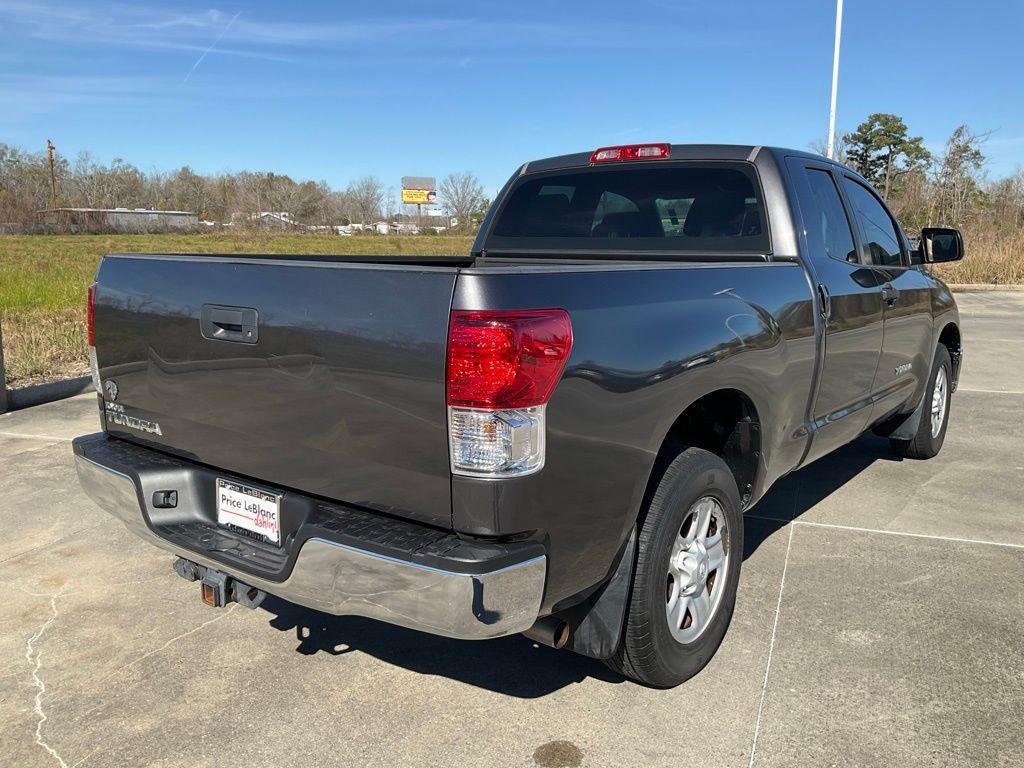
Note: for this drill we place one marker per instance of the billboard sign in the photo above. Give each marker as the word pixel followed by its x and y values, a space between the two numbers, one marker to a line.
pixel 419 190
pixel 420 196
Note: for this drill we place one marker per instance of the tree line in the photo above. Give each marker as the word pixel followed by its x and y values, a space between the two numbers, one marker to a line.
pixel 85 182
pixel 949 187
pixel 946 188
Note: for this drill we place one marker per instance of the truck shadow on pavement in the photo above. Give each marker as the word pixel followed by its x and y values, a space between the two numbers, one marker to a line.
pixel 516 666
pixel 794 494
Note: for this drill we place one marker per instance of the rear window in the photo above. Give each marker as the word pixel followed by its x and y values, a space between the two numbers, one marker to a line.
pixel 687 207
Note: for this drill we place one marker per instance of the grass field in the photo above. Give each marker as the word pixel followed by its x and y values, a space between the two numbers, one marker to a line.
pixel 43 280
pixel 991 258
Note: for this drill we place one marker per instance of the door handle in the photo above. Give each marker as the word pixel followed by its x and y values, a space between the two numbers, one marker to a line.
pixel 890 293
pixel 825 301
pixel 236 324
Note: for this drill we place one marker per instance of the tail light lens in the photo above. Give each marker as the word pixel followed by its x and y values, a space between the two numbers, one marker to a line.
pixel 506 359
pixel 501 369
pixel 90 315
pixel 90 323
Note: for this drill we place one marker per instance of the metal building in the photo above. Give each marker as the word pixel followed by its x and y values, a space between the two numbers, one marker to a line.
pixel 116 220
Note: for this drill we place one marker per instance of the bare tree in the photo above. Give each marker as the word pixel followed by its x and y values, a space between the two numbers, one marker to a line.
pixel 24 185
pixel 94 185
pixel 1006 203
pixel 189 191
pixel 366 199
pixel 841 147
pixel 958 176
pixel 462 195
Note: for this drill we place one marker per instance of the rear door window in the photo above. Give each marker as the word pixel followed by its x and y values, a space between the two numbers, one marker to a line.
pixel 827 225
pixel 682 207
pixel 881 241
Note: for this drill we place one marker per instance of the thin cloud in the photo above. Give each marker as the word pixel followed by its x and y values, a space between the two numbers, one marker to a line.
pixel 156 28
pixel 29 94
pixel 214 45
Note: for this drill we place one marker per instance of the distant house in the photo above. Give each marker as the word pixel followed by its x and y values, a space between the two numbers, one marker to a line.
pixel 276 220
pixel 116 220
pixel 266 220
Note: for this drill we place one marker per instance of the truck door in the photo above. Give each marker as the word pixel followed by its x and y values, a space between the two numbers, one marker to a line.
pixel 849 301
pixel 907 349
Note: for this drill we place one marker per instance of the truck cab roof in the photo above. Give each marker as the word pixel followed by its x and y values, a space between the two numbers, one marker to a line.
pixel 677 152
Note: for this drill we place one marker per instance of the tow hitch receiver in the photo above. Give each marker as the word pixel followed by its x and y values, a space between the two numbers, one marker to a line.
pixel 217 588
pixel 214 587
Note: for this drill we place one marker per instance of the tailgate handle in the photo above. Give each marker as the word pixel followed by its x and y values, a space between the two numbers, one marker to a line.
pixel 236 324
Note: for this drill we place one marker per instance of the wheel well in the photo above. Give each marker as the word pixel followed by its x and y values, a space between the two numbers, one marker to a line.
pixel 723 422
pixel 950 339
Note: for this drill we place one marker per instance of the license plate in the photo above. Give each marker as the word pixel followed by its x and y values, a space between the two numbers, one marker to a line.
pixel 251 509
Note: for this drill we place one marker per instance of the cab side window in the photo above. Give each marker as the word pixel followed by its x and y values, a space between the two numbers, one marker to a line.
pixel 828 223
pixel 882 242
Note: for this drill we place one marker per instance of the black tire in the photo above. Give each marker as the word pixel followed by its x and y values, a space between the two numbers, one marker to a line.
pixel 648 652
pixel 926 444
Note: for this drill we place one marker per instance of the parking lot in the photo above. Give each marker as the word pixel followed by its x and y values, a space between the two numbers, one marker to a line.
pixel 878 623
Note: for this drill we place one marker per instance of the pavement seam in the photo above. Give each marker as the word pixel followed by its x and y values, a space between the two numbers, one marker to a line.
pixel 22 436
pixel 992 391
pixel 997 339
pixel 771 650
pixel 37 663
pixel 889 533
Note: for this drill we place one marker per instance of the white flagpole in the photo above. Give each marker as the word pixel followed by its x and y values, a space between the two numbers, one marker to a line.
pixel 835 83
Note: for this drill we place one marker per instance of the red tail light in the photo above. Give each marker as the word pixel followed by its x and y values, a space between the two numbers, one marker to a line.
pixel 631 152
pixel 90 315
pixel 506 359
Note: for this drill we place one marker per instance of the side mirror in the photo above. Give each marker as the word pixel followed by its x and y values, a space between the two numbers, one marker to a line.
pixel 940 244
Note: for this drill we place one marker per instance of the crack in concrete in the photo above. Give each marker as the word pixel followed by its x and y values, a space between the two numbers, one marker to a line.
pixel 35 659
pixel 176 638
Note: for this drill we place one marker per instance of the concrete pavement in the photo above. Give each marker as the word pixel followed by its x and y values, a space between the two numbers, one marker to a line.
pixel 878 623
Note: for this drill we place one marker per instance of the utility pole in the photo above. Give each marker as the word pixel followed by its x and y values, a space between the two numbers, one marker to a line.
pixel 831 152
pixel 53 176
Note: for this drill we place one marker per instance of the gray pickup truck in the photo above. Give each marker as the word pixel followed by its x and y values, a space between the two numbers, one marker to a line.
pixel 556 435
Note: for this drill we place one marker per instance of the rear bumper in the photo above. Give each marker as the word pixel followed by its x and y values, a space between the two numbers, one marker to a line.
pixel 408 574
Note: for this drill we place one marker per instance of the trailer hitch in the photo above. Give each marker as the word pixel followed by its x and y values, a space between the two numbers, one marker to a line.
pixel 218 588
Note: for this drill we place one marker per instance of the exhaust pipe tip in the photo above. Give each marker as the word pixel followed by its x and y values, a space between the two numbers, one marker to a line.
pixel 549 631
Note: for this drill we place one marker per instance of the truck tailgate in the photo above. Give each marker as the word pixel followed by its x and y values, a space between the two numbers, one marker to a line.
pixel 338 391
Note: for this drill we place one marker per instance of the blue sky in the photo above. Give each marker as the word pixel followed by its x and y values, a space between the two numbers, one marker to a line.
pixel 335 91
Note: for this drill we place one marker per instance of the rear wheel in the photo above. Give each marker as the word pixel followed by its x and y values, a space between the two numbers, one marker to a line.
pixel 931 432
pixel 688 565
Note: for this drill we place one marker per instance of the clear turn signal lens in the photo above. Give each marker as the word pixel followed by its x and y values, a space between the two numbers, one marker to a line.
pixel 496 443
pixel 94 368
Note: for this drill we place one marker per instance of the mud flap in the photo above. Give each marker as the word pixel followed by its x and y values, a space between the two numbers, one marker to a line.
pixel 908 428
pixel 598 633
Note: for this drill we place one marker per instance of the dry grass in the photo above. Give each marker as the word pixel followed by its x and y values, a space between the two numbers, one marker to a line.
pixel 43 279
pixel 43 344
pixel 991 258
